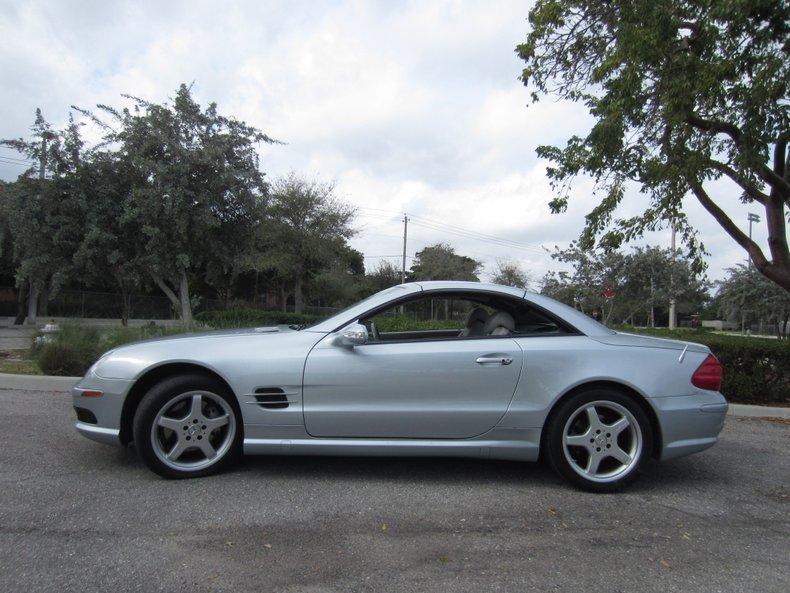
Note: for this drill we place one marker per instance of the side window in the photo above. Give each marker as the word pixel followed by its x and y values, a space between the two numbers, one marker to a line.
pixel 426 318
pixel 457 316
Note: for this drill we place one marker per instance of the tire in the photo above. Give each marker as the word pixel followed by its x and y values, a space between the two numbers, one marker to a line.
pixel 181 420
pixel 602 456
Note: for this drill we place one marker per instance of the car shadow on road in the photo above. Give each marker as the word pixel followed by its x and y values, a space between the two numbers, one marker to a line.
pixel 421 469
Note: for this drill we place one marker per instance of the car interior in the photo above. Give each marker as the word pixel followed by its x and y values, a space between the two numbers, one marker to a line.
pixel 460 315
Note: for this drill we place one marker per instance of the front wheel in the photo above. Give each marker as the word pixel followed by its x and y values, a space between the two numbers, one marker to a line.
pixel 598 440
pixel 187 426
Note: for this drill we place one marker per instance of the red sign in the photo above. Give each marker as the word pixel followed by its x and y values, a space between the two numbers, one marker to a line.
pixel 609 292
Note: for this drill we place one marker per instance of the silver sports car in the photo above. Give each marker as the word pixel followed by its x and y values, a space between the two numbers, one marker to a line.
pixel 424 368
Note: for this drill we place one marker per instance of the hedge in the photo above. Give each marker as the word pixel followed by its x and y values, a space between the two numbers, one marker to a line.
pixel 233 318
pixel 756 370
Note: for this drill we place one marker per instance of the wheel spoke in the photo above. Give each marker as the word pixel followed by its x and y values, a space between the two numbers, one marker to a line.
pixel 580 440
pixel 180 446
pixel 207 448
pixel 592 416
pixel 619 455
pixel 214 423
pixel 593 463
pixel 618 426
pixel 171 423
pixel 196 409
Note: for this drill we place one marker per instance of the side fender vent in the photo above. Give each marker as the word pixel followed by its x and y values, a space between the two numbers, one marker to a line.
pixel 271 398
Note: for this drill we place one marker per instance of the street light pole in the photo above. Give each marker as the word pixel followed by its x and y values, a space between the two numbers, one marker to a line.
pixel 751 218
pixel 403 266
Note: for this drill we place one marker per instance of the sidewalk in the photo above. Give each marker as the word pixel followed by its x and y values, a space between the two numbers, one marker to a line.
pixel 37 382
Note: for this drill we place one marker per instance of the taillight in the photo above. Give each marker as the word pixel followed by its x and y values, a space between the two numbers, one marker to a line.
pixel 708 375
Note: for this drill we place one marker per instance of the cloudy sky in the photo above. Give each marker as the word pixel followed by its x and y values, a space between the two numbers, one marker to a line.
pixel 407 106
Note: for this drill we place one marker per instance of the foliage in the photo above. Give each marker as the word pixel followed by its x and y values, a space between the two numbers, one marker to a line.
pixel 510 274
pixel 385 275
pixel 305 232
pixel 75 347
pixel 746 296
pixel 682 93
pixel 756 370
pixel 41 208
pixel 193 188
pixel 440 262
pixel 642 279
pixel 398 323
pixel 233 318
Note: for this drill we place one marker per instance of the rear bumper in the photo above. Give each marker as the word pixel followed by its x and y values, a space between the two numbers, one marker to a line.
pixel 689 423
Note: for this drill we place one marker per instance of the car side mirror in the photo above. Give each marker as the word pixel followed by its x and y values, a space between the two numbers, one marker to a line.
pixel 355 334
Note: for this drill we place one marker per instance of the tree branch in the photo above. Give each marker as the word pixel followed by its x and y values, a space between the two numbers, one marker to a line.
pixel 751 190
pixel 735 134
pixel 728 225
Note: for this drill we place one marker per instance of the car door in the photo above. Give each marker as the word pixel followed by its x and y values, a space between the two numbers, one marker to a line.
pixel 443 389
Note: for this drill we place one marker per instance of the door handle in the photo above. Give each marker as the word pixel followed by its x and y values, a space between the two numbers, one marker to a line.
pixel 503 360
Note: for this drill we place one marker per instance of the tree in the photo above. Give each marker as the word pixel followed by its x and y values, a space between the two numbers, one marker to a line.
pixel 510 274
pixel 745 295
pixel 42 214
pixel 385 275
pixel 682 93
pixel 193 187
pixel 440 262
pixel 108 250
pixel 305 232
pixel 641 280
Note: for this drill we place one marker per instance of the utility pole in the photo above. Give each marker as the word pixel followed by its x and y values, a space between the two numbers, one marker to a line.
pixel 405 231
pixel 672 313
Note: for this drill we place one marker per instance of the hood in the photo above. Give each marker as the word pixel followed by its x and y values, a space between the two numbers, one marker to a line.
pixel 211 349
pixel 640 341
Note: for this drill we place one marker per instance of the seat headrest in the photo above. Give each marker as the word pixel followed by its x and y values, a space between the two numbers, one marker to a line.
pixel 500 320
pixel 476 315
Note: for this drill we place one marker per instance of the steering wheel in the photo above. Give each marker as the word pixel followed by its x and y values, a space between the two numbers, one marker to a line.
pixel 374 331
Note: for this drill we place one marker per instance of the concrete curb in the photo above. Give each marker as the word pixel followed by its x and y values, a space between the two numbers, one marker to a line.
pixel 749 411
pixel 37 382
pixel 49 383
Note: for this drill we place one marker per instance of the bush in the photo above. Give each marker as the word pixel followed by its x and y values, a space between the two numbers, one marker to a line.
pixel 756 370
pixel 233 318
pixel 408 323
pixel 71 351
pixel 74 348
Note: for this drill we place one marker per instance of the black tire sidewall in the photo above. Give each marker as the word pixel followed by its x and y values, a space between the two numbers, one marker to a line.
pixel 159 395
pixel 553 438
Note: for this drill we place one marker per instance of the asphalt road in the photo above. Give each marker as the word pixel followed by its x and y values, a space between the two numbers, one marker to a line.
pixel 80 516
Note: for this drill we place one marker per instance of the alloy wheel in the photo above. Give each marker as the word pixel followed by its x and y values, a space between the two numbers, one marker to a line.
pixel 602 441
pixel 193 431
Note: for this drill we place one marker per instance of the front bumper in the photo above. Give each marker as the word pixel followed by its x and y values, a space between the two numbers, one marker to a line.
pixel 102 422
pixel 689 423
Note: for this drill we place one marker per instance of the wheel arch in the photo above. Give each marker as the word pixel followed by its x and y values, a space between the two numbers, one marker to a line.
pixel 151 377
pixel 622 388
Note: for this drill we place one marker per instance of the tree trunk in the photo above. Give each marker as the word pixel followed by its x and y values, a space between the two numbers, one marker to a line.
pixel 43 301
pixel 159 281
pixel 125 303
pixel 298 296
pixel 21 301
pixel 183 294
pixel 32 305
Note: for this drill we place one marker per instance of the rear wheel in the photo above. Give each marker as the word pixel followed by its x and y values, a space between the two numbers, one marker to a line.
pixel 187 426
pixel 598 440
